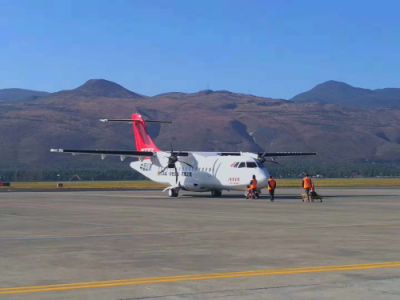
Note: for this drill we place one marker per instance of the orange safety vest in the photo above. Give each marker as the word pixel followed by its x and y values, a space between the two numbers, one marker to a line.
pixel 253 184
pixel 307 183
pixel 271 184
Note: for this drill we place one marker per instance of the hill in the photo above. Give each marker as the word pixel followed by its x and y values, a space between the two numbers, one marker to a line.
pixel 203 121
pixel 15 95
pixel 334 92
pixel 98 88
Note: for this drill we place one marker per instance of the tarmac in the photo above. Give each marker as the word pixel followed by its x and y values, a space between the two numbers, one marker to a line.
pixel 120 245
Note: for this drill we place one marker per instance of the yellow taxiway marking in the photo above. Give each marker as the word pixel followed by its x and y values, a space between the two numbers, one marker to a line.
pixel 134 281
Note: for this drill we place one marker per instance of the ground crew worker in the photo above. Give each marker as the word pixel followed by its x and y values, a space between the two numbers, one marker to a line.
pixel 271 188
pixel 253 185
pixel 249 193
pixel 307 185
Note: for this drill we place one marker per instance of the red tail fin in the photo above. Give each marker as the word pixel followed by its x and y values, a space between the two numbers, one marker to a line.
pixel 142 138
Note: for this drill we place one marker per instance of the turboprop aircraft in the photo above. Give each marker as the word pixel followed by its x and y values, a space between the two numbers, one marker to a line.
pixel 190 170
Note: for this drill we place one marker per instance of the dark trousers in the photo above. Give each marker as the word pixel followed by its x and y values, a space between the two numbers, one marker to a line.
pixel 272 194
pixel 307 193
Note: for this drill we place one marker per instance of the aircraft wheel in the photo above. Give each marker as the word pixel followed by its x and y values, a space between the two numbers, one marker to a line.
pixel 173 193
pixel 216 193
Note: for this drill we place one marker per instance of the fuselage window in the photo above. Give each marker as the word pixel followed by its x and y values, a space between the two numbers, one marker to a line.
pixel 242 165
pixel 251 164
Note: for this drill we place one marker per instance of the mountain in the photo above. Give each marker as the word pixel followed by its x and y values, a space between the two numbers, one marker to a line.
pixel 15 95
pixel 334 92
pixel 203 121
pixel 99 88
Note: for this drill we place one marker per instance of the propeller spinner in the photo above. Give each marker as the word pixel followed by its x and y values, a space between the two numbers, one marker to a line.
pixel 172 160
pixel 262 159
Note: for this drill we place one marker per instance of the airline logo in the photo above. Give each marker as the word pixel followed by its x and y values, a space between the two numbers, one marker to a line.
pixel 234 180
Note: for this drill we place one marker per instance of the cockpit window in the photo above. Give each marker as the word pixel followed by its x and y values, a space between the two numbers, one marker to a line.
pixel 251 165
pixel 236 164
pixel 242 165
pixel 259 164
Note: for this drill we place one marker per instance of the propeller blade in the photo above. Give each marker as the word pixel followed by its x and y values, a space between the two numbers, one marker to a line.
pixel 162 170
pixel 183 162
pixel 176 175
pixel 261 158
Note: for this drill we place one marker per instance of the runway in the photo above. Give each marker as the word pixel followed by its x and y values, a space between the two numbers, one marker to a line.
pixel 122 245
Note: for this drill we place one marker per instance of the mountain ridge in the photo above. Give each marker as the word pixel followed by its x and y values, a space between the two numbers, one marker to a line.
pixel 100 88
pixel 202 121
pixel 341 93
pixel 18 94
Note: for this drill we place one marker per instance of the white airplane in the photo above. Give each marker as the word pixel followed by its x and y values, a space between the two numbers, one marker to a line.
pixel 190 170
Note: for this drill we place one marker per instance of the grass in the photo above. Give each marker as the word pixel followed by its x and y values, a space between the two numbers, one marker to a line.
pixel 137 184
pixel 343 182
pixel 146 184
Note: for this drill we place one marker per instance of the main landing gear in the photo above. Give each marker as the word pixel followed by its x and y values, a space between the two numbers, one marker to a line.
pixel 216 193
pixel 173 192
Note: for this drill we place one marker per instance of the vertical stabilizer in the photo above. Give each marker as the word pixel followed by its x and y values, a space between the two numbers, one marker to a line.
pixel 142 138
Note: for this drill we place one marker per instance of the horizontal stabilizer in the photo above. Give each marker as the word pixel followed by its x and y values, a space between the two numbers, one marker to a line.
pixel 131 121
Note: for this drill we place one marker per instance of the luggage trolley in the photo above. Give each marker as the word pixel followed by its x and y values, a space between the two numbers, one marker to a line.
pixel 319 197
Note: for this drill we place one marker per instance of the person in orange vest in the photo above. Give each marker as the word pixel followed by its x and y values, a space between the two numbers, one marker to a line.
pixel 253 185
pixel 271 188
pixel 249 193
pixel 307 185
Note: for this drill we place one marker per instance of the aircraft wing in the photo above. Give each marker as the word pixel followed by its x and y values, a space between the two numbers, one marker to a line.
pixel 105 153
pixel 264 154
pixel 277 154
pixel 128 153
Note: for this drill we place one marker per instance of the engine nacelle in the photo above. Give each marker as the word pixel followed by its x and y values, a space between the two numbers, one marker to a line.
pixel 191 184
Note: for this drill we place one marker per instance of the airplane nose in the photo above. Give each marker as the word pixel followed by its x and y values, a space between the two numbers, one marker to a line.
pixel 262 177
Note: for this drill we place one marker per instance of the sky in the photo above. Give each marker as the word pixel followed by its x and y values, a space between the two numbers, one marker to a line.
pixel 267 48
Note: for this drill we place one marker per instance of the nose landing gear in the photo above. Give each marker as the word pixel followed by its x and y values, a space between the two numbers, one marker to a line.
pixel 173 192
